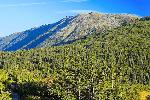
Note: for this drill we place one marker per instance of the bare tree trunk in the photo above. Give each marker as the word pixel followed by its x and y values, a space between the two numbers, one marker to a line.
pixel 79 90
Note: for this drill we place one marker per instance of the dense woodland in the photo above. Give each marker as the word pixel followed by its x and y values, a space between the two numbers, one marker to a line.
pixel 111 65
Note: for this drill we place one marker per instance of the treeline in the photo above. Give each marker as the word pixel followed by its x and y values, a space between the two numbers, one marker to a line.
pixel 112 65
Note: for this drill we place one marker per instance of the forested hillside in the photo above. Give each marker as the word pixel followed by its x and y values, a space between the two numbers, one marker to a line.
pixel 110 65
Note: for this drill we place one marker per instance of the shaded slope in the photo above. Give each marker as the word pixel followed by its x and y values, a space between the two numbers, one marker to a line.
pixel 7 40
pixel 26 37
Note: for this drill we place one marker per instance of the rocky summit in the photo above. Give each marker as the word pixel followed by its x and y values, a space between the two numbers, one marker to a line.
pixel 67 30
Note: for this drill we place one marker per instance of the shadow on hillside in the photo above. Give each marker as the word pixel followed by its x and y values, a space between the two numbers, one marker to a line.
pixel 148 97
pixel 32 91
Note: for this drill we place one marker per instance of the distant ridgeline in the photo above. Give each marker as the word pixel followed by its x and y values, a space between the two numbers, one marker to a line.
pixel 145 18
pixel 65 31
pixel 106 65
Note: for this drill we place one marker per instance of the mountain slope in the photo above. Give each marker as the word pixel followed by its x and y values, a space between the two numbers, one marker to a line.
pixel 23 38
pixel 85 24
pixel 7 40
pixel 64 31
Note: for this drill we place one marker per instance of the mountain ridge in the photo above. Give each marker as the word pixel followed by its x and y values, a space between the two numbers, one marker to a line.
pixel 67 29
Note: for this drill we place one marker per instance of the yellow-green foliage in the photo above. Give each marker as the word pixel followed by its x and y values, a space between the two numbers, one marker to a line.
pixel 112 65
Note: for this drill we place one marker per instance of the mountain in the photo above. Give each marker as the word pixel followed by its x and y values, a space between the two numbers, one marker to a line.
pixel 107 65
pixel 65 31
pixel 18 40
pixel 1 36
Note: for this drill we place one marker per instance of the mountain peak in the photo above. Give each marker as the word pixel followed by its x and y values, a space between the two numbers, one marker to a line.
pixel 65 31
pixel 100 13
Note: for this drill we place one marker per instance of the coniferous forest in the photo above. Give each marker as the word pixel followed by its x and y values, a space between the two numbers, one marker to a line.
pixel 112 64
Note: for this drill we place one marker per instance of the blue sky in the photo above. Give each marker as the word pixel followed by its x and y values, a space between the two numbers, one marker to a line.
pixel 19 15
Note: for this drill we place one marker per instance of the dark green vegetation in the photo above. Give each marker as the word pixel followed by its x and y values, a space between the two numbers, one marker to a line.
pixel 145 18
pixel 111 65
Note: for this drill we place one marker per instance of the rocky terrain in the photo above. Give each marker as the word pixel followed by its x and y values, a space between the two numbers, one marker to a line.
pixel 65 31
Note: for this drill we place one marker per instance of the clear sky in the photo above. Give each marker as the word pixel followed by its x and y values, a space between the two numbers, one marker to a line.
pixel 19 15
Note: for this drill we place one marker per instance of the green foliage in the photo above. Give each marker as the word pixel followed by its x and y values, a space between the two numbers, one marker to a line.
pixel 4 94
pixel 112 65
